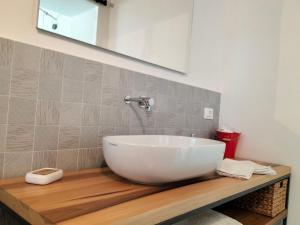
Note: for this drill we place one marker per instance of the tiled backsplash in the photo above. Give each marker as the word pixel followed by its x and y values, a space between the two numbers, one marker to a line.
pixel 55 108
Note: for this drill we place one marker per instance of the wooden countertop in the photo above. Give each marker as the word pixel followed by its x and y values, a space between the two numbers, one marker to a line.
pixel 98 197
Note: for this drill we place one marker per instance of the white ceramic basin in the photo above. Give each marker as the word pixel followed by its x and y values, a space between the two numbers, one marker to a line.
pixel 155 159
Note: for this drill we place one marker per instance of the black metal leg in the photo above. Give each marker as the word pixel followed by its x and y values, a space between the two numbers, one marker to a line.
pixel 8 217
pixel 223 201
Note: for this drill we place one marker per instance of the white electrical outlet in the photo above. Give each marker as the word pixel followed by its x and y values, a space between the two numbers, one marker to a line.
pixel 208 113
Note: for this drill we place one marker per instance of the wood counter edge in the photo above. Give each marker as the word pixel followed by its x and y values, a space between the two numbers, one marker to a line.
pixel 148 217
pixel 24 210
pixel 173 209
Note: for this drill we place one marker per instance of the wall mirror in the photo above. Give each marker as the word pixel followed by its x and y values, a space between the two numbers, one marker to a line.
pixel 154 31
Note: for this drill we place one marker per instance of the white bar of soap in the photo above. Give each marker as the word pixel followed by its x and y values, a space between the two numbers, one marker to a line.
pixel 44 176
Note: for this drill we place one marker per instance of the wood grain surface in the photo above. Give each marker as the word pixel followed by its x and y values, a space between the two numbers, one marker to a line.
pixel 99 197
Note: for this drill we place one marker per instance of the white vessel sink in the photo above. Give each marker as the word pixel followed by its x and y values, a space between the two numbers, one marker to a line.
pixel 156 159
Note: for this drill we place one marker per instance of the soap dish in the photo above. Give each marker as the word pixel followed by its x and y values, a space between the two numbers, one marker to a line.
pixel 44 176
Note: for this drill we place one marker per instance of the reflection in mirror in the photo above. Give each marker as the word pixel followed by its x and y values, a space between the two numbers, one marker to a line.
pixel 155 31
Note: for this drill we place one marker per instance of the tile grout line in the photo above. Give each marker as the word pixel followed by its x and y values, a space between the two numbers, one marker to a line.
pixel 60 104
pixel 67 149
pixel 100 123
pixel 36 109
pixel 8 106
pixel 81 113
pixel 44 99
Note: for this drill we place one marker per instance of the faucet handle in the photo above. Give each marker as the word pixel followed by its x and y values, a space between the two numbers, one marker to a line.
pixel 151 101
pixel 146 103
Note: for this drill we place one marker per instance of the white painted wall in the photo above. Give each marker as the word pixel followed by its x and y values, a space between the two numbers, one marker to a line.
pixel 261 83
pixel 18 22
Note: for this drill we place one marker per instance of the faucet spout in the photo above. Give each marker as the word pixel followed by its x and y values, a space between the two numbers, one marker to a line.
pixel 143 102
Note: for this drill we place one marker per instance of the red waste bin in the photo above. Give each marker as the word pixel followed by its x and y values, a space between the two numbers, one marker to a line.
pixel 231 141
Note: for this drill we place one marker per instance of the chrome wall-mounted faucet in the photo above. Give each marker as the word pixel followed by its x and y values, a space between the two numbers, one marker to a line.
pixel 143 102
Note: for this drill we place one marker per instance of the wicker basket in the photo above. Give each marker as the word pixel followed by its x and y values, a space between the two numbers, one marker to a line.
pixel 269 201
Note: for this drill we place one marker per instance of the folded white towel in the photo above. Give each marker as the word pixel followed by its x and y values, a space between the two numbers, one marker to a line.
pixel 242 169
pixel 209 217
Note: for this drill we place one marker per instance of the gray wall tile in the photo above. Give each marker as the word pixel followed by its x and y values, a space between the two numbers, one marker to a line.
pixel 24 83
pixel 22 160
pixel 112 97
pixel 203 133
pixel 74 68
pixel 70 114
pixel 93 81
pixel 124 119
pixel 139 83
pixel 104 131
pixel 88 137
pixel 21 111
pixel 197 109
pixel 92 70
pixel 152 86
pixel 81 101
pixel 92 92
pixel 199 95
pixel 171 88
pixel 3 109
pixel 1 164
pixel 93 76
pixel 50 87
pixel 90 115
pixel 125 81
pixel 179 121
pixel 3 131
pixel 179 106
pixel 148 120
pixel 121 131
pixel 72 90
pixel 26 57
pixel 174 131
pixel 6 52
pixel 150 131
pixel 90 158
pixel 111 77
pixel 67 160
pixel 52 63
pixel 46 138
pixel 136 117
pixel 48 113
pixel 69 138
pixel 171 120
pixel 189 94
pixel 109 115
pixel 163 87
pixel 161 120
pixel 4 80
pixel 19 138
pixel 161 103
pixel 44 159
pixel 137 130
